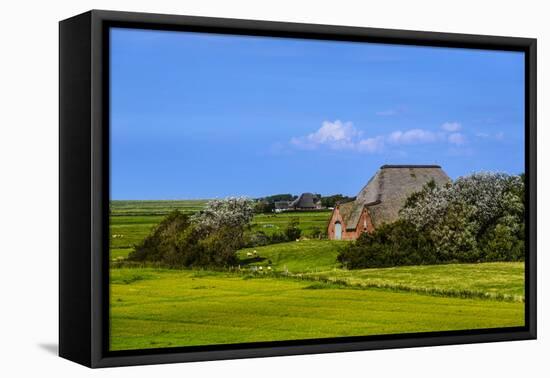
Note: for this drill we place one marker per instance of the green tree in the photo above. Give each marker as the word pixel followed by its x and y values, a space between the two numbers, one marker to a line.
pixel 293 231
pixel 210 238
pixel 162 239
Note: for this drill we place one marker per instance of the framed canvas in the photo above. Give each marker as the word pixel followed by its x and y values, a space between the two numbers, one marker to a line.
pixel 235 188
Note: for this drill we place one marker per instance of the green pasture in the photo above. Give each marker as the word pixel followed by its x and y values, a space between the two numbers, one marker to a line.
pixel 316 260
pixel 499 280
pixel 309 220
pixel 305 294
pixel 154 207
pixel 295 257
pixel 155 308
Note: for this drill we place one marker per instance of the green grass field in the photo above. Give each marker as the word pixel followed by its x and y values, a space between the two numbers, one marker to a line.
pixel 296 257
pixel 309 220
pixel 498 280
pixel 316 260
pixel 304 295
pixel 162 308
pixel 149 208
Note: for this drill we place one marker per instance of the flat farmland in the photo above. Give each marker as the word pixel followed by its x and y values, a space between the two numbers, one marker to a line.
pixel 155 207
pixel 309 221
pixel 156 308
pixel 294 290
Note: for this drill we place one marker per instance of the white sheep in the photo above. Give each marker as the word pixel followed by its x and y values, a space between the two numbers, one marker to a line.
pixel 248 254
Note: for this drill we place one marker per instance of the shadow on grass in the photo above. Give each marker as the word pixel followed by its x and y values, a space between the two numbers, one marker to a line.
pixel 251 260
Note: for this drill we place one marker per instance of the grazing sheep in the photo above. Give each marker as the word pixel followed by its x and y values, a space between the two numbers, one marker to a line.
pixel 261 268
pixel 248 254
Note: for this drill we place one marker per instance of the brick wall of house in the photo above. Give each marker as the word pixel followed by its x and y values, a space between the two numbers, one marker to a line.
pixel 364 225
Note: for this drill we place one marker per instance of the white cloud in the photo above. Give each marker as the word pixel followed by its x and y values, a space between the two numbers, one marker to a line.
pixel 371 145
pixel 338 135
pixel 451 126
pixel 457 139
pixel 413 136
pixel 335 135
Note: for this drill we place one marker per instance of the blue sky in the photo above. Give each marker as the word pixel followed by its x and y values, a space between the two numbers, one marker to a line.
pixel 203 116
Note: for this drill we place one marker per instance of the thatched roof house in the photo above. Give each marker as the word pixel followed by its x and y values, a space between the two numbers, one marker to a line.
pixel 306 201
pixel 381 199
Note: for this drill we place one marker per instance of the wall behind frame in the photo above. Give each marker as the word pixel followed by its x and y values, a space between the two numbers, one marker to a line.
pixel 29 155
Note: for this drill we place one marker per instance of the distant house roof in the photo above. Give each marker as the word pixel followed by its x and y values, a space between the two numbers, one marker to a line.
pixel 305 201
pixel 386 192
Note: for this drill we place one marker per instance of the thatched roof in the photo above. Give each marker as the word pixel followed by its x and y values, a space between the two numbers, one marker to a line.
pixel 386 192
pixel 350 212
pixel 305 201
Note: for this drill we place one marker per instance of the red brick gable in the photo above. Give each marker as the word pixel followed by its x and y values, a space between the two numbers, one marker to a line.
pixel 363 225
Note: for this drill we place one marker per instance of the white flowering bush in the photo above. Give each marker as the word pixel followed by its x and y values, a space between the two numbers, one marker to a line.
pixel 464 218
pixel 231 212
pixel 209 238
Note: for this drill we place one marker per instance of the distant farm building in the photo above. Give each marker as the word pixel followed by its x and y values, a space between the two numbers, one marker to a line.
pixel 281 206
pixel 306 201
pixel 381 199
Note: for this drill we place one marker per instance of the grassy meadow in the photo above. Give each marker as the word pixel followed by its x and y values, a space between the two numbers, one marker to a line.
pixel 153 308
pixel 300 292
pixel 309 220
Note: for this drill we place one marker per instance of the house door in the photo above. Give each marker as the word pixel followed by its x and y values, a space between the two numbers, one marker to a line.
pixel 338 231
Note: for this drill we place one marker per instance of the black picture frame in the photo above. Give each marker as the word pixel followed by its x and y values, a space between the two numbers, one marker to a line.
pixel 84 187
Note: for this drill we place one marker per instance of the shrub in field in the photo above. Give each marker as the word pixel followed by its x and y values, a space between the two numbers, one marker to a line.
pixel 504 241
pixel 232 212
pixel 278 237
pixel 161 241
pixel 210 238
pixel 293 230
pixel 476 218
pixel 393 244
pixel 454 235
pixel 264 207
pixel 260 239
pixel 217 249
pixel 256 239
pixel 317 233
